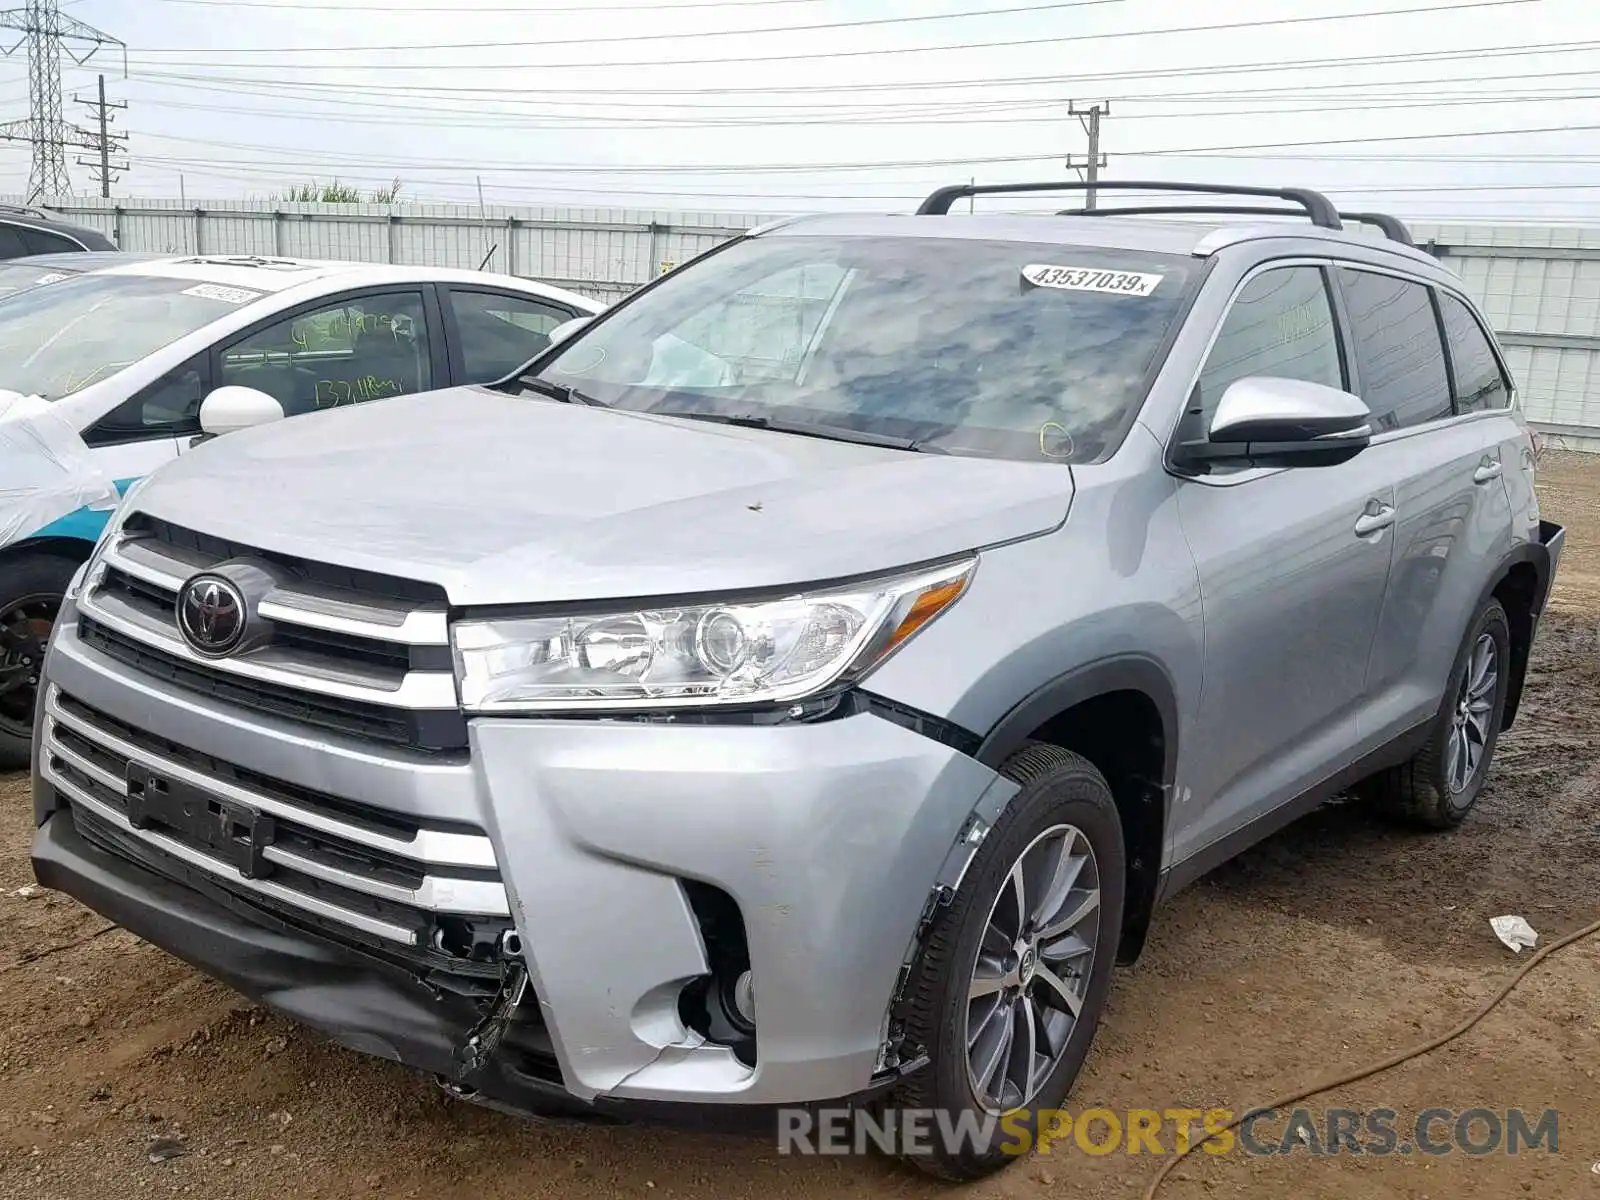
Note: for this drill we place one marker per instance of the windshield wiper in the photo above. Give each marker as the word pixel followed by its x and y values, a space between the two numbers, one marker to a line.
pixel 836 433
pixel 558 391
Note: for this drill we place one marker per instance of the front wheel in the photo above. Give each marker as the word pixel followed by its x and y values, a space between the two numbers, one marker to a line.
pixel 31 590
pixel 1014 973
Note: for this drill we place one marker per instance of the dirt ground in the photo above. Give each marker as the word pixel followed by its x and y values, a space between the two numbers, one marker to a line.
pixel 1328 946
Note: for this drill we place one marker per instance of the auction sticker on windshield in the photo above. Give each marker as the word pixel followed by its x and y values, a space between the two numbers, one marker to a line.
pixel 215 291
pixel 1091 279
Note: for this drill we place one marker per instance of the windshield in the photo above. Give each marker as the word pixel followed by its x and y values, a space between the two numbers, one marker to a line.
pixel 59 339
pixel 1017 350
pixel 15 275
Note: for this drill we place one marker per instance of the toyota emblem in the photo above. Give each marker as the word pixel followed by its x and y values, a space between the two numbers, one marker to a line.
pixel 211 615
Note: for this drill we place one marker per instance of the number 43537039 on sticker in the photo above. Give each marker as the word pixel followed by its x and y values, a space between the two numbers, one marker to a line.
pixel 1091 279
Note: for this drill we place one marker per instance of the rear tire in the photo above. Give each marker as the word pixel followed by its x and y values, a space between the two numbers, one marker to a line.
pixel 990 999
pixel 31 589
pixel 1438 787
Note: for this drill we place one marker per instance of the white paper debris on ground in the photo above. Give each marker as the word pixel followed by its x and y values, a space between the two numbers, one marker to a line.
pixel 1515 932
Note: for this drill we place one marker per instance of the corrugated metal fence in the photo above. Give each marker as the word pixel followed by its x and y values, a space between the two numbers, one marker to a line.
pixel 600 252
pixel 1539 285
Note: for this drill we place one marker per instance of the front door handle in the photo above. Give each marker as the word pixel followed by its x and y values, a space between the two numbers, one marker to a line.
pixel 1488 469
pixel 1379 516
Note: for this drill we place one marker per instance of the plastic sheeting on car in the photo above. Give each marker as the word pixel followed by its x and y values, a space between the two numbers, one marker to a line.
pixel 46 470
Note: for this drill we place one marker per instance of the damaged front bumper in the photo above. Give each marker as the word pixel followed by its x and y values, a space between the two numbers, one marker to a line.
pixel 644 866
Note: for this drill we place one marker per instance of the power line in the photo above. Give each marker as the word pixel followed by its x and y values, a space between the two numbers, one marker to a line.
pixel 390 10
pixel 47 33
pixel 920 18
pixel 1357 90
pixel 1407 58
pixel 875 52
pixel 299 154
pixel 936 116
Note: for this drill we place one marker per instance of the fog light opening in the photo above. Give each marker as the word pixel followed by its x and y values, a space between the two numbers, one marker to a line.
pixel 720 1006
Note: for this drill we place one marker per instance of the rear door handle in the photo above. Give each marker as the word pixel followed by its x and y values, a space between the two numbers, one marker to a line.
pixel 1378 516
pixel 1488 469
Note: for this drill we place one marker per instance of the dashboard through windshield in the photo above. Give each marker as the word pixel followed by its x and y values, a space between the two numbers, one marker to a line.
pixel 1019 350
pixel 60 338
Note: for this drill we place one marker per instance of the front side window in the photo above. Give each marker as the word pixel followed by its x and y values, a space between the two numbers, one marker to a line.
pixel 1480 383
pixel 1281 324
pixel 500 333
pixel 59 339
pixel 1005 349
pixel 1397 346
pixel 347 352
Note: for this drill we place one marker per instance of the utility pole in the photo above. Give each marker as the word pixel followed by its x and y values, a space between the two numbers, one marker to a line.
pixel 47 33
pixel 1089 117
pixel 108 142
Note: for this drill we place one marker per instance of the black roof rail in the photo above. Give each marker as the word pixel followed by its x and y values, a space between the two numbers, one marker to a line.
pixel 1393 228
pixel 25 209
pixel 1317 206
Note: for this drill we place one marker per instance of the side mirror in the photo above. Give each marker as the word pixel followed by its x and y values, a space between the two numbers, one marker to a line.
pixel 567 328
pixel 1272 422
pixel 233 407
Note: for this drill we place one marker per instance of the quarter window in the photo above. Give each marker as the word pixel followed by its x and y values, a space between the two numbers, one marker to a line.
pixel 1480 383
pixel 1281 325
pixel 1398 350
pixel 367 348
pixel 169 407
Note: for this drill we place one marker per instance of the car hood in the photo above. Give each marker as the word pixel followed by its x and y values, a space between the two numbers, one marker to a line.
pixel 502 499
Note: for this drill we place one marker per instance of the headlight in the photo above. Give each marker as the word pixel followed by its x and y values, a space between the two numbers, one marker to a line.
pixel 769 651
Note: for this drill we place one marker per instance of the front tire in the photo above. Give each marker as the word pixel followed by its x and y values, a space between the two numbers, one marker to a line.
pixel 31 590
pixel 1014 972
pixel 1438 787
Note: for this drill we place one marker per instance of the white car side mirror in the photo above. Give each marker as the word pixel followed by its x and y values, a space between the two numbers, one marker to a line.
pixel 566 329
pixel 233 407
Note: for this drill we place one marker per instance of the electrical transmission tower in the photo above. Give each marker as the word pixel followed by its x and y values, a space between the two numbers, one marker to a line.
pixel 108 143
pixel 47 33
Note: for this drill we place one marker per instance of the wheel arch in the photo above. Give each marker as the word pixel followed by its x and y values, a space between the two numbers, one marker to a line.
pixel 73 549
pixel 1521 582
pixel 1121 713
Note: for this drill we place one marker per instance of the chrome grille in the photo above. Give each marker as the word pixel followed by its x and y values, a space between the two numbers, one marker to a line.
pixel 348 651
pixel 368 871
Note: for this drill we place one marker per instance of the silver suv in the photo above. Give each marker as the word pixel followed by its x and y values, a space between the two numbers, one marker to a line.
pixel 802 683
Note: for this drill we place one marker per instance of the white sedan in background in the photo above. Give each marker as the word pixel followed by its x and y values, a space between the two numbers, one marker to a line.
pixel 107 374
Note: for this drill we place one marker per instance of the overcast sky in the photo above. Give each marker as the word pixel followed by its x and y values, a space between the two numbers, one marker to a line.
pixel 648 104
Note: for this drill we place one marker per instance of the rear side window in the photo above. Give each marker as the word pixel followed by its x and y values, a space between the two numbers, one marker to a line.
pixel 1480 383
pixel 36 241
pixel 11 242
pixel 500 333
pixel 1397 349
pixel 1281 324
